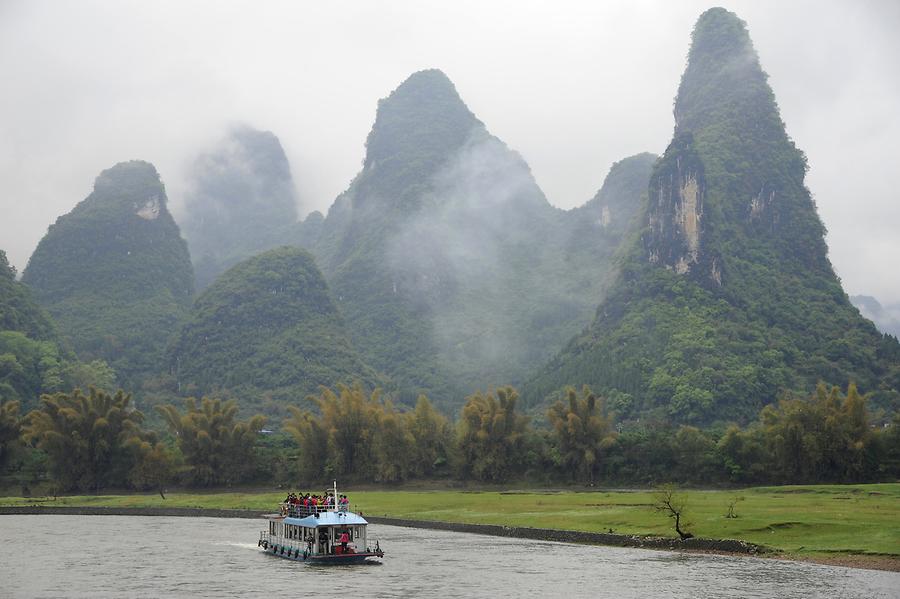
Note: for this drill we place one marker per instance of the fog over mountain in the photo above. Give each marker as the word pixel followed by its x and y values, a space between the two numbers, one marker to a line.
pixel 572 86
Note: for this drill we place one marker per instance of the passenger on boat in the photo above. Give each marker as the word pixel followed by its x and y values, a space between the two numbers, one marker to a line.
pixel 345 538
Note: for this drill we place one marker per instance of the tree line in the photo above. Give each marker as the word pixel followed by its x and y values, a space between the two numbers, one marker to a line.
pixel 90 441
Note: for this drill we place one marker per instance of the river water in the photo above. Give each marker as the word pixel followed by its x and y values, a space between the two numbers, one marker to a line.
pixel 134 556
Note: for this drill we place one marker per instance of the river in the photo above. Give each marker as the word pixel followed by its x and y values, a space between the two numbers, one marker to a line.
pixel 135 556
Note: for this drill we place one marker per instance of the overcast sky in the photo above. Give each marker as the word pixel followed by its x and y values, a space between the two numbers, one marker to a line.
pixel 572 86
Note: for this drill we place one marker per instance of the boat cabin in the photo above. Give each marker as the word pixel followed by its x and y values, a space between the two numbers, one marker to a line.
pixel 315 534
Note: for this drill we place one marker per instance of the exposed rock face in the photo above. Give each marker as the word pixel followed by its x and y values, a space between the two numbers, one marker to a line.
pixel 675 211
pixel 150 209
pixel 115 273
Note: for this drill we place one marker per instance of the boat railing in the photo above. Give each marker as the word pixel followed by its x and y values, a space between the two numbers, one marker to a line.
pixel 295 510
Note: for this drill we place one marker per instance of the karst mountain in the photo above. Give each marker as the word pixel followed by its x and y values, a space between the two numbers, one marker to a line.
pixel 726 298
pixel 451 267
pixel 115 274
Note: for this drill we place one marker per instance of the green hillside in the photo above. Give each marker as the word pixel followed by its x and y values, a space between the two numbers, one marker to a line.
pixel 31 360
pixel 266 332
pixel 727 296
pixel 115 274
pixel 18 309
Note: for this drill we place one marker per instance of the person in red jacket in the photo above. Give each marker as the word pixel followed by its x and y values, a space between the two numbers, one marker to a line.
pixel 345 538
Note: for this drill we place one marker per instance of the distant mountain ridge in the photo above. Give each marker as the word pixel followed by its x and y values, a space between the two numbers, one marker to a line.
pixel 727 297
pixel 886 318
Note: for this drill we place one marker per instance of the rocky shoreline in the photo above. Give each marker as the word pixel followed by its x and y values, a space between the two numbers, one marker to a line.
pixel 697 545
pixel 576 536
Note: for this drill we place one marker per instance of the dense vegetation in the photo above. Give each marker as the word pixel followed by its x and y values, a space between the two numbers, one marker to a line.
pixel 240 201
pixel 91 441
pixel 727 297
pixel 268 333
pixel 359 434
pixel 96 441
pixel 33 359
pixel 214 444
pixel 18 309
pixel 115 274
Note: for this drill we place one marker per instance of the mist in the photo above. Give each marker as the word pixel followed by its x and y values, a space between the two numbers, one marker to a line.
pixel 572 87
pixel 471 261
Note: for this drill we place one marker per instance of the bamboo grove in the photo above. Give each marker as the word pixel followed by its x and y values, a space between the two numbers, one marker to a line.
pixel 91 441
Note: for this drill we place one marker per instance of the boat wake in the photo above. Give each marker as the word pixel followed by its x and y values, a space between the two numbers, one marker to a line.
pixel 241 545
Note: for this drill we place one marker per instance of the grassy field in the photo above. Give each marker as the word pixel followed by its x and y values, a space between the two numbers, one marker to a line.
pixel 798 520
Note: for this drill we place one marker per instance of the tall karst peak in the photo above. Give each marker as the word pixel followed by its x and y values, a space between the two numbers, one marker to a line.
pixel 240 200
pixel 727 297
pixel 731 171
pixel 722 64
pixel 424 117
pixel 133 186
pixel 452 269
pixel 115 273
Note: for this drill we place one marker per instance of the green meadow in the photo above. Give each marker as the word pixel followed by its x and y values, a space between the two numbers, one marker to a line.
pixel 798 520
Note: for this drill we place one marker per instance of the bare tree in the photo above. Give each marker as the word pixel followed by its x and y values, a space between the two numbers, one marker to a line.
pixel 731 504
pixel 672 503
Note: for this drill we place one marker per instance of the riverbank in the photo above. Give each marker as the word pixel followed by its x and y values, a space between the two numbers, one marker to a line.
pixel 540 534
pixel 855 525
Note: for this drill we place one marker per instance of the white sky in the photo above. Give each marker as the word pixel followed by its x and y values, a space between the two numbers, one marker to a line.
pixel 572 86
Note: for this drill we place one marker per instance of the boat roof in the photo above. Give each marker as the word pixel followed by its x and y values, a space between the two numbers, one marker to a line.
pixel 328 519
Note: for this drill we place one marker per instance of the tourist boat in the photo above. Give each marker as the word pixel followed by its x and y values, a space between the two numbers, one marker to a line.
pixel 313 534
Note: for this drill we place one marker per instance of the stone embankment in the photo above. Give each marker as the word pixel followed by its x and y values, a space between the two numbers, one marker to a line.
pixel 540 534
pixel 575 536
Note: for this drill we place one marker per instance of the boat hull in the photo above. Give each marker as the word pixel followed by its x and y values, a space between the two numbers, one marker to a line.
pixel 336 560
